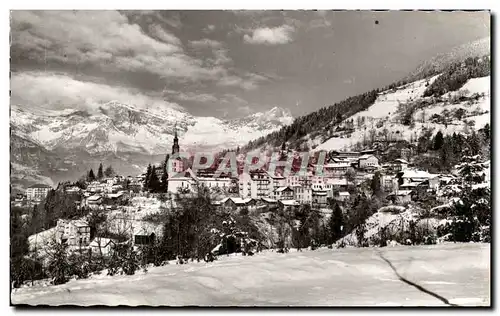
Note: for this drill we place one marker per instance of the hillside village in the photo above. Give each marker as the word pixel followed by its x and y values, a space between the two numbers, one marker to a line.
pixel 377 187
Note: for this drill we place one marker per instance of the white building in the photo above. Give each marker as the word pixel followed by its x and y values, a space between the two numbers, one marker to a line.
pixel 283 193
pixel 73 232
pixel 255 184
pixel 37 192
pixel 367 161
pixel 183 182
pixel 303 194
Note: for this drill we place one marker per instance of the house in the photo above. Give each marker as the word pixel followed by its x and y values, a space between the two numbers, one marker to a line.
pixel 319 199
pixel 288 205
pixel 367 162
pixel 283 193
pixel 400 196
pixel 409 177
pixel 342 196
pixel 268 201
pixel 302 194
pixel 388 183
pixel 254 184
pixel 37 192
pixel 145 233
pixel 72 190
pixel 94 201
pixel 73 232
pixel 237 203
pixel 336 169
pixel 104 246
pixel 400 165
pixel 116 197
pixel 276 181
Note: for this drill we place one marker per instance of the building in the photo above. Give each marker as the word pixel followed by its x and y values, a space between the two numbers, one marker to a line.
pixel 368 162
pixel 388 182
pixel 336 169
pixel 342 196
pixel 219 182
pixel 236 203
pixel 94 201
pixel 283 193
pixel 184 182
pixel 319 199
pixel 255 184
pixel 400 196
pixel 145 233
pixel 73 232
pixel 288 205
pixel 400 165
pixel 37 192
pixel 303 194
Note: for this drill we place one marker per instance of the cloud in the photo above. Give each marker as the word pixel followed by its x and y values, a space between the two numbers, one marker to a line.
pixel 58 91
pixel 164 36
pixel 209 28
pixel 105 39
pixel 270 36
pixel 191 96
pixel 205 43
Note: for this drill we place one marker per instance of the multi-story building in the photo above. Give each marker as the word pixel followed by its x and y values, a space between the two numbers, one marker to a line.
pixel 303 194
pixel 255 184
pixel 367 162
pixel 73 232
pixel 37 192
pixel 283 193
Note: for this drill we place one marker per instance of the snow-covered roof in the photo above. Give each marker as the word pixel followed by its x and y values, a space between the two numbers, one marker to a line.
pixel 281 189
pixel 416 174
pixel 337 165
pixel 268 200
pixel 94 198
pixel 334 181
pixel 80 223
pixel 115 195
pixel 289 202
pixel 40 186
pixel 401 161
pixel 410 185
pixel 402 192
pixel 366 157
pixel 319 192
pixel 344 193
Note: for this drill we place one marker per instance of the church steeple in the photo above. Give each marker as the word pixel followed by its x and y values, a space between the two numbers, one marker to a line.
pixel 175 146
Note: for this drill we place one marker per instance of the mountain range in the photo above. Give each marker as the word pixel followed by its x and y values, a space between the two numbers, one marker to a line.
pixel 59 145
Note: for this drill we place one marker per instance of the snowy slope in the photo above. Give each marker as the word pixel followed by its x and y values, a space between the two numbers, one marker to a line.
pixel 325 277
pixel 383 114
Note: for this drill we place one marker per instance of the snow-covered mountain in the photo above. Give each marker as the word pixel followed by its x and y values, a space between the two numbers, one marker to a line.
pixel 66 140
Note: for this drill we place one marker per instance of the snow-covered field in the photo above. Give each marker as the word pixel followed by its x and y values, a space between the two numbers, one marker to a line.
pixel 325 277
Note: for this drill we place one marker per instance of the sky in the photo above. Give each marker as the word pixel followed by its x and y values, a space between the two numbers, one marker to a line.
pixel 225 64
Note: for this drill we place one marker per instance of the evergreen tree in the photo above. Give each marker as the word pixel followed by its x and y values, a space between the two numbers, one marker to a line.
pixel 148 176
pixel 164 176
pixel 109 171
pixel 100 174
pixel 438 141
pixel 375 184
pixel 154 182
pixel 91 176
pixel 335 224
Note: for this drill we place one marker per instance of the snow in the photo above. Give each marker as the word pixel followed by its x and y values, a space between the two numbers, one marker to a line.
pixel 385 109
pixel 325 277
